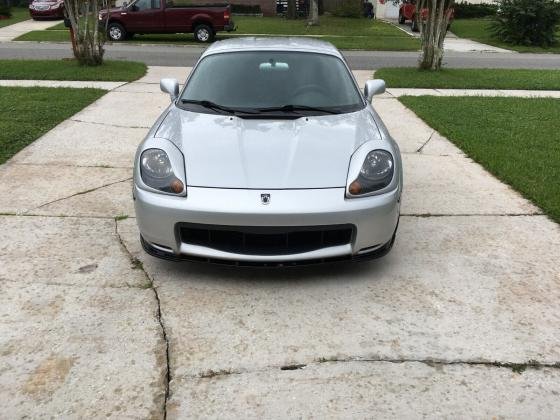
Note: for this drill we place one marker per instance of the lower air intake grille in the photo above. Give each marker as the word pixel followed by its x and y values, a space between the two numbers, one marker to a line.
pixel 265 240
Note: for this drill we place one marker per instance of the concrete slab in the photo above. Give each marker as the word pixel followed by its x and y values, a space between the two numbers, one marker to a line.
pixel 84 144
pixel 362 76
pixel 125 109
pixel 364 390
pixel 66 251
pixel 112 201
pixel 409 131
pixel 156 73
pixel 26 187
pixel 447 185
pixel 80 352
pixel 453 289
pixel 62 83
pixel 531 93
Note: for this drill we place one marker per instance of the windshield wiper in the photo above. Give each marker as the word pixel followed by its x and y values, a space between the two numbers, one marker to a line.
pixel 215 106
pixel 295 108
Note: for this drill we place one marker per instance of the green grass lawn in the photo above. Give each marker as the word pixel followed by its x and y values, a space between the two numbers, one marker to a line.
pixel 403 77
pixel 342 32
pixel 516 139
pixel 70 70
pixel 478 30
pixel 28 113
pixel 19 14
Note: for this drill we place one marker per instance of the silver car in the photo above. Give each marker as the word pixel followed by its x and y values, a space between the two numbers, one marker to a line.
pixel 269 155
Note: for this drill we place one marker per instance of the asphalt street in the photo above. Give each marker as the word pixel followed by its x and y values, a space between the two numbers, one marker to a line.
pixel 178 55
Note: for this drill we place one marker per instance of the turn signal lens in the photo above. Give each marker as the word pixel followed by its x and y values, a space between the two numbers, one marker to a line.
pixel 176 186
pixel 355 188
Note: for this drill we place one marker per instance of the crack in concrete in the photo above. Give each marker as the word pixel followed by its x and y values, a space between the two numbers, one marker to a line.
pixel 437 363
pixel 78 193
pixel 106 124
pixel 138 264
pixel 419 150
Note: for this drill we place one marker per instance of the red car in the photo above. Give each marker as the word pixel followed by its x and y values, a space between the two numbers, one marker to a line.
pixel 46 9
pixel 407 11
pixel 167 16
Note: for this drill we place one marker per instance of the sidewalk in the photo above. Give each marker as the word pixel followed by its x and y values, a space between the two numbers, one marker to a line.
pixel 91 326
pixel 151 84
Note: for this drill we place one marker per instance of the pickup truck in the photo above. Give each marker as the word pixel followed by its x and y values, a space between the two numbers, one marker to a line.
pixel 407 11
pixel 165 17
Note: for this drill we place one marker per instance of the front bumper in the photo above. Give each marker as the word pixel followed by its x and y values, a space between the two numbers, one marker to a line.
pixel 159 216
pixel 49 13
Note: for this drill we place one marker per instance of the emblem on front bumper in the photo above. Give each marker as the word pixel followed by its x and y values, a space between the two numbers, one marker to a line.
pixel 265 199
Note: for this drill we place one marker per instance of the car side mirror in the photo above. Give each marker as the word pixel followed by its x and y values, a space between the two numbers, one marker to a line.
pixel 374 87
pixel 124 5
pixel 170 86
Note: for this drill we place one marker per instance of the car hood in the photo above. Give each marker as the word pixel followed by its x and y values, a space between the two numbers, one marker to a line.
pixel 229 152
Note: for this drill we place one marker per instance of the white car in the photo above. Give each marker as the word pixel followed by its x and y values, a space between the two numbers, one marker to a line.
pixel 270 155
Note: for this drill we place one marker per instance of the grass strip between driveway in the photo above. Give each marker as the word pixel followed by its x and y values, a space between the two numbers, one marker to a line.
pixel 125 71
pixel 479 30
pixel 28 113
pixel 516 139
pixel 402 77
pixel 344 33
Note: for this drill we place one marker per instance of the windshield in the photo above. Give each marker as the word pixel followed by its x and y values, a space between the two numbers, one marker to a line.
pixel 272 81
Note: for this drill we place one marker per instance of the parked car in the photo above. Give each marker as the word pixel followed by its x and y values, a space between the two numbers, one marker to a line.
pixel 407 11
pixel 170 16
pixel 270 155
pixel 46 9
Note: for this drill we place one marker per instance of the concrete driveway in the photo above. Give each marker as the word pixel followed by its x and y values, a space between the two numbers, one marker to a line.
pixel 453 42
pixel 10 32
pixel 460 320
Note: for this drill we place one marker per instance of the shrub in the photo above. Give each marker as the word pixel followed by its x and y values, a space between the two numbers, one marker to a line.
pixel 469 11
pixel 5 11
pixel 527 22
pixel 349 8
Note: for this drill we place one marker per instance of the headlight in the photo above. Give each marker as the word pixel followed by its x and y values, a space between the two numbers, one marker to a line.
pixel 376 173
pixel 157 172
pixel 100 16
